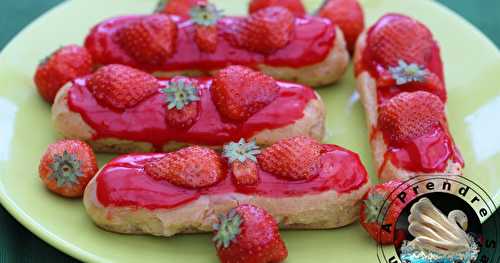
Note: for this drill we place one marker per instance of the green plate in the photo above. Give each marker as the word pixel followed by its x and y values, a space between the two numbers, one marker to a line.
pixel 472 65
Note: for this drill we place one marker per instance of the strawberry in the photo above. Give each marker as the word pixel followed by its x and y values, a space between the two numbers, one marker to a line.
pixel 412 77
pixel 410 115
pixel 264 31
pixel 379 207
pixel 239 92
pixel 67 166
pixel 121 87
pixel 63 65
pixel 348 15
pixel 150 40
pixel 190 167
pixel 294 6
pixel 182 106
pixel 241 157
pixel 248 234
pixel 296 158
pixel 205 17
pixel 177 7
pixel 398 37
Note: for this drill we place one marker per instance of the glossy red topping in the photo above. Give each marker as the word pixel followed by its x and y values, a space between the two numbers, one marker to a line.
pixel 239 92
pixel 124 182
pixel 294 6
pixel 121 87
pixel 311 42
pixel 146 120
pixel 190 167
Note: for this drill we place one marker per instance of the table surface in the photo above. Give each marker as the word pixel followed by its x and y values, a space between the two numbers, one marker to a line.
pixel 17 244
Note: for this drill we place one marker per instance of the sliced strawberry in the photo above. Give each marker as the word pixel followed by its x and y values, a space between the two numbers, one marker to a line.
pixel 410 115
pixel 264 31
pixel 150 40
pixel 205 17
pixel 239 92
pixel 248 234
pixel 348 15
pixel 381 206
pixel 121 87
pixel 397 37
pixel 177 7
pixel 190 167
pixel 296 158
pixel 67 167
pixel 294 6
pixel 62 66
pixel 242 159
pixel 182 106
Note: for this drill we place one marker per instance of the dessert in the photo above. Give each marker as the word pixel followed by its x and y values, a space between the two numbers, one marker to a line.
pixel 308 50
pixel 400 79
pixel 121 109
pixel 184 191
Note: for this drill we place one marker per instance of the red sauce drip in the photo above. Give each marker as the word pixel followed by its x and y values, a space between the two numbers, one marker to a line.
pixel 429 153
pixel 146 121
pixel 312 41
pixel 123 182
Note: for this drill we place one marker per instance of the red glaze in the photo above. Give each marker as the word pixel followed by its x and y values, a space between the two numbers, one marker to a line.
pixel 123 182
pixel 146 121
pixel 429 153
pixel 312 41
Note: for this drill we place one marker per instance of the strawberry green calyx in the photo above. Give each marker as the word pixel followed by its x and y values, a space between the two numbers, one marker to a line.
pixel 241 151
pixel 160 6
pixel 205 14
pixel 376 208
pixel 405 73
pixel 227 229
pixel 179 94
pixel 66 169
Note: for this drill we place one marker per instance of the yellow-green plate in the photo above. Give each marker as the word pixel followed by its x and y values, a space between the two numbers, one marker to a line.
pixel 472 72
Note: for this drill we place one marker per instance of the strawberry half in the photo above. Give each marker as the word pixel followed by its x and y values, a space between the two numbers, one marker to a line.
pixel 67 166
pixel 205 17
pixel 150 40
pixel 410 115
pixel 182 106
pixel 177 7
pixel 296 158
pixel 190 167
pixel 64 65
pixel 380 207
pixel 239 92
pixel 121 87
pixel 264 31
pixel 397 37
pixel 248 234
pixel 242 159
pixel 294 6
pixel 348 15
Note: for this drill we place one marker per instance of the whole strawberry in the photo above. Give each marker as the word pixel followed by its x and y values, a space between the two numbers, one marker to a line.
pixel 348 15
pixel 177 7
pixel 205 17
pixel 67 166
pixel 379 207
pixel 121 87
pixel 150 40
pixel 182 106
pixel 248 234
pixel 64 65
pixel 264 31
pixel 410 115
pixel 239 92
pixel 241 157
pixel 294 6
pixel 397 37
pixel 190 167
pixel 296 158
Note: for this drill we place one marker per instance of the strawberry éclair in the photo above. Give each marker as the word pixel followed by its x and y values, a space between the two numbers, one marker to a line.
pixel 401 82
